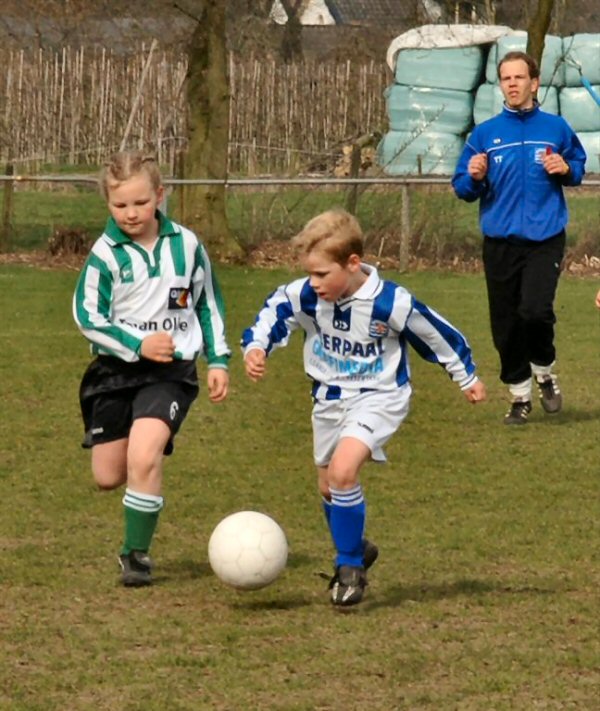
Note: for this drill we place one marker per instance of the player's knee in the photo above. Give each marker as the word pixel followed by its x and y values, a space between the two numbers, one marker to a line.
pixel 342 476
pixel 107 480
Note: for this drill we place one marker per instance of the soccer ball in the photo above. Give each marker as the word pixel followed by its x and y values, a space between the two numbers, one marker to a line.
pixel 247 550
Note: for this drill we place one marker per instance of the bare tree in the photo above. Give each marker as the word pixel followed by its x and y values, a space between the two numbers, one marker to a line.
pixel 291 44
pixel 207 91
pixel 538 27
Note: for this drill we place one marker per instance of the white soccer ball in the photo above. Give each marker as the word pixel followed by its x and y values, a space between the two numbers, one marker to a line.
pixel 247 550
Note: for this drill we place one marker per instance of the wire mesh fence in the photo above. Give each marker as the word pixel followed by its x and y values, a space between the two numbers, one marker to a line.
pixel 404 219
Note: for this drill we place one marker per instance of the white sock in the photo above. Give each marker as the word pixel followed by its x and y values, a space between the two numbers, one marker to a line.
pixel 541 372
pixel 520 391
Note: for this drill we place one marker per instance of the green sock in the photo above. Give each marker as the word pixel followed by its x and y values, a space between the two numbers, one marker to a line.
pixel 141 516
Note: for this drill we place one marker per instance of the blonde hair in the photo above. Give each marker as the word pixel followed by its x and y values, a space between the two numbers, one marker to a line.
pixel 124 165
pixel 335 232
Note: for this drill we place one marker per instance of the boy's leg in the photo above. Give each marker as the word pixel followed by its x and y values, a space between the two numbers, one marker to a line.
pixel 348 509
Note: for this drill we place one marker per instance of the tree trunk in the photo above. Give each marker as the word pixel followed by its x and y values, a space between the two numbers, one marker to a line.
pixel 207 89
pixel 291 44
pixel 537 29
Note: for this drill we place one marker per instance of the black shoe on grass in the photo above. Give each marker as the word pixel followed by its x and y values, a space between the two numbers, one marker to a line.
pixel 370 553
pixel 550 396
pixel 518 413
pixel 348 585
pixel 136 569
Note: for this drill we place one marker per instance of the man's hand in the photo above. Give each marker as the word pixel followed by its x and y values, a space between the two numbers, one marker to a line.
pixel 158 347
pixel 476 393
pixel 478 166
pixel 255 362
pixel 217 381
pixel 555 164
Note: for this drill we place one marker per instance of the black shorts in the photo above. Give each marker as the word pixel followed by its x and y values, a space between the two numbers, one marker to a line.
pixel 109 413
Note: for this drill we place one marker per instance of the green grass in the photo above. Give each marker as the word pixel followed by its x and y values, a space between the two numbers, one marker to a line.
pixel 485 595
pixel 442 226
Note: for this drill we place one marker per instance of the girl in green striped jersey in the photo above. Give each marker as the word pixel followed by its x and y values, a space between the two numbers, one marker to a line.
pixel 149 303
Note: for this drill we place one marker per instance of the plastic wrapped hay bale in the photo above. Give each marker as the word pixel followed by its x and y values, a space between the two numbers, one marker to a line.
pixel 582 52
pixel 489 101
pixel 591 144
pixel 427 153
pixel 424 108
pixel 552 70
pixel 580 109
pixel 446 68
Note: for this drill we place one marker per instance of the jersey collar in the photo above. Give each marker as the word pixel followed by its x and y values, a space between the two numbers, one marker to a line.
pixel 522 113
pixel 115 234
pixel 369 288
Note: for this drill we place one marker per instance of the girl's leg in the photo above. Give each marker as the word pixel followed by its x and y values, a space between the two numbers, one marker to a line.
pixel 109 464
pixel 143 501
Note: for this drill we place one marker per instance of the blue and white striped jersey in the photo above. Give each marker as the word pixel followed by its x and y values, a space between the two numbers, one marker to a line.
pixel 359 343
pixel 126 292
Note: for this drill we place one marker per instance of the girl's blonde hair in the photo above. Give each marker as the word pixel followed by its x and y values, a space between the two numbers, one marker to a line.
pixel 124 165
pixel 335 232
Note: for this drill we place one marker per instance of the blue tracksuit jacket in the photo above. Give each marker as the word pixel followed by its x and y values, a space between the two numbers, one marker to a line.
pixel 517 197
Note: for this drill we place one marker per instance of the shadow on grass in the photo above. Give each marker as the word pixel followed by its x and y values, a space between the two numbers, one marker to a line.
pixel 186 569
pixel 397 595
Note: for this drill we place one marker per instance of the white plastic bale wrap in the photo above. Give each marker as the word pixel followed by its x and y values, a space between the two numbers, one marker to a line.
pixel 591 144
pixel 458 68
pixel 489 101
pixel 580 109
pixel 552 69
pixel 427 153
pixel 582 56
pixel 439 110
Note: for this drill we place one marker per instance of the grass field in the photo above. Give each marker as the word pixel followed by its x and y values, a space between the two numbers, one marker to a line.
pixel 485 596
pixel 442 226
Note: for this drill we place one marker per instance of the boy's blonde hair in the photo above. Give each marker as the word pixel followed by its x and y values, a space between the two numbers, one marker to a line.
pixel 335 232
pixel 124 165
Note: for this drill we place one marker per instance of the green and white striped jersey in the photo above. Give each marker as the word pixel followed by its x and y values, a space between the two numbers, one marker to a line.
pixel 126 292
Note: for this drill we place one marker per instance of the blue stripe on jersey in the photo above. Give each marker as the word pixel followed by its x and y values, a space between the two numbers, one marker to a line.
pixel 308 300
pixel 384 302
pixel 383 305
pixel 333 392
pixel 452 337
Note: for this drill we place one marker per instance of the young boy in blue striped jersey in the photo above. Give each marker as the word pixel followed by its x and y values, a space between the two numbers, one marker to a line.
pixel 149 303
pixel 357 327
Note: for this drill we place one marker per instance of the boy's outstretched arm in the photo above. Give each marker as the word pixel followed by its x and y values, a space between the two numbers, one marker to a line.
pixel 476 393
pixel 255 362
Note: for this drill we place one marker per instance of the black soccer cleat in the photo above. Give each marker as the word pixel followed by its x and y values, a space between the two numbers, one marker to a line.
pixel 550 396
pixel 348 585
pixel 518 413
pixel 370 553
pixel 136 569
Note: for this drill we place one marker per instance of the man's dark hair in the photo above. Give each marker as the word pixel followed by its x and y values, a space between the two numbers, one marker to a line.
pixel 534 70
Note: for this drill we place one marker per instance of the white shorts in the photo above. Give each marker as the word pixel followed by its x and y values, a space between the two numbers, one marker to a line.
pixel 371 417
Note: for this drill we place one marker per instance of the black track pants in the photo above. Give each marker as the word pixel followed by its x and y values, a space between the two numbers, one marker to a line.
pixel 521 277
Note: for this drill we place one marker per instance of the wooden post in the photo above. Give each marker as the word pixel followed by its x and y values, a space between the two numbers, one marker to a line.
pixel 368 139
pixel 352 197
pixel 405 236
pixel 7 203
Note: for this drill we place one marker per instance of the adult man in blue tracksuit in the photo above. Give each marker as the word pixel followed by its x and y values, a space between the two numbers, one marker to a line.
pixel 516 164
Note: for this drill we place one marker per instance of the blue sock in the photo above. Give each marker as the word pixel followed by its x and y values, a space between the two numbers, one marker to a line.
pixel 347 523
pixel 327 505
